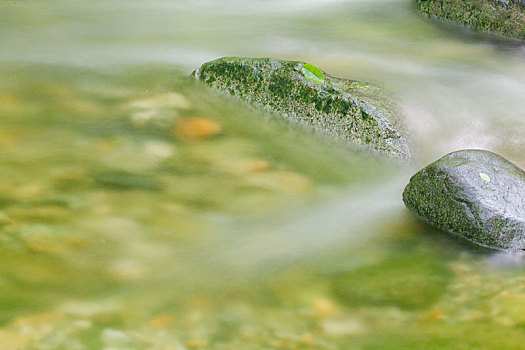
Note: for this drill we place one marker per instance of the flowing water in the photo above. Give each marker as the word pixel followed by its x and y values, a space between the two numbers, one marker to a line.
pixel 140 210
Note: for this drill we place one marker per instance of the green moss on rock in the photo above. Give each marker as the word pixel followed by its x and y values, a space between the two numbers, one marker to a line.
pixel 345 109
pixel 454 195
pixel 504 17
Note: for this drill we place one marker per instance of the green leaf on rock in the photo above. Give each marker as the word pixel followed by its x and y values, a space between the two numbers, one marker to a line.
pixel 312 73
pixel 484 177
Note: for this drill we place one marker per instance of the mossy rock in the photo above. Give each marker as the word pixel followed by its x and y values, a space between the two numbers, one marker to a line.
pixel 503 17
pixel 408 282
pixel 475 194
pixel 348 110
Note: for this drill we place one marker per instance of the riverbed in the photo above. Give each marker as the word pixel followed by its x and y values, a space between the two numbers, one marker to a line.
pixel 142 210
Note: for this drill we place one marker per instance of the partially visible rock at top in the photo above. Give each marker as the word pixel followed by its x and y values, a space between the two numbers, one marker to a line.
pixel 475 194
pixel 504 17
pixel 345 109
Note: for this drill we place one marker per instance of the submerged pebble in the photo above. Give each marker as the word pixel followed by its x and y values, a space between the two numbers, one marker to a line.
pixel 166 100
pixel 123 180
pixel 195 128
pixel 408 282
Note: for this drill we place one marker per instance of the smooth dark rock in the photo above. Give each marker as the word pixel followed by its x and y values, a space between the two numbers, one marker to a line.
pixel 503 17
pixel 348 110
pixel 475 194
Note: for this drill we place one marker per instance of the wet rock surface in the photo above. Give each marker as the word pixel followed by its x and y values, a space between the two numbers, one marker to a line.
pixel 475 194
pixel 348 110
pixel 504 17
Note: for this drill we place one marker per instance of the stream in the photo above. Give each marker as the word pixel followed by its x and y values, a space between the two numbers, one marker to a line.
pixel 125 224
